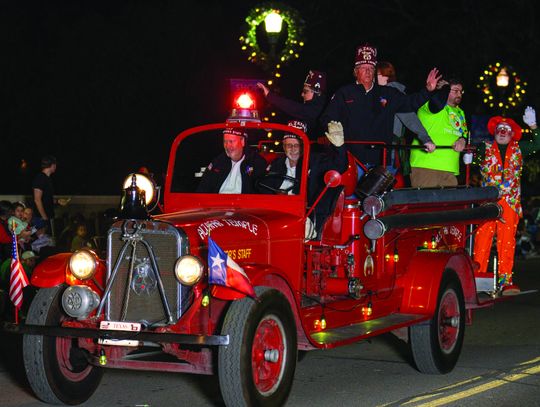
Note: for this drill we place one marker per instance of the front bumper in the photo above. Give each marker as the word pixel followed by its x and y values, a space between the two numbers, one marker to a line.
pixel 184 339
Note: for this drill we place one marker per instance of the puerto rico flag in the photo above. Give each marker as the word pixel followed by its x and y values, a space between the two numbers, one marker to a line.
pixel 222 270
pixel 18 279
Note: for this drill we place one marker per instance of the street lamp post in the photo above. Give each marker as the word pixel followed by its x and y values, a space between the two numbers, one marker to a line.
pixel 272 24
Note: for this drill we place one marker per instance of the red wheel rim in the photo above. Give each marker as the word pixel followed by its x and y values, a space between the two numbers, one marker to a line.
pixel 449 321
pixel 63 350
pixel 268 354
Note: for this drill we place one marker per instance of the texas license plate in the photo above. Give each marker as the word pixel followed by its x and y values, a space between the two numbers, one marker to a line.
pixel 120 326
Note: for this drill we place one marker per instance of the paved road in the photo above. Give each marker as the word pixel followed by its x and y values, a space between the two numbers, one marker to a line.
pixel 499 366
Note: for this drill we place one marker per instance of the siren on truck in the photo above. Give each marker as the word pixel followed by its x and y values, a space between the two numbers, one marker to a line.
pixel 244 108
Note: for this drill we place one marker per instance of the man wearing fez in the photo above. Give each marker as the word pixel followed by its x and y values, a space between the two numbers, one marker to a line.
pixel 501 163
pixel 312 106
pixel 366 110
pixel 334 157
pixel 236 169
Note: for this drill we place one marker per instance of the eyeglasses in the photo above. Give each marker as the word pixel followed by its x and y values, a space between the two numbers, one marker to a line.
pixel 503 130
pixel 459 91
pixel 290 146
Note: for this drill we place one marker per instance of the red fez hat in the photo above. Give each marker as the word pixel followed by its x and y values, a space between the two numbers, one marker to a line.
pixel 235 132
pixel 496 120
pixel 365 54
pixel 297 124
pixel 316 81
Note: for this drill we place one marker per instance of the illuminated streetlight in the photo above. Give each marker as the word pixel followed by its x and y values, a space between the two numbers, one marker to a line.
pixel 273 22
pixel 502 78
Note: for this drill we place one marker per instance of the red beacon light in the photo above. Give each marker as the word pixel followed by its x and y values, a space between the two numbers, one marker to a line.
pixel 244 109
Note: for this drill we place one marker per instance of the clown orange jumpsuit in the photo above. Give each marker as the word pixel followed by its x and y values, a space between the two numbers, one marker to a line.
pixel 501 166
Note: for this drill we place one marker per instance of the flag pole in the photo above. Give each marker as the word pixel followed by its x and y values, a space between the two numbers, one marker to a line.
pixel 15 308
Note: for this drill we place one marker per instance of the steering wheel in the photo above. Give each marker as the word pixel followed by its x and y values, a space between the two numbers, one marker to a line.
pixel 262 182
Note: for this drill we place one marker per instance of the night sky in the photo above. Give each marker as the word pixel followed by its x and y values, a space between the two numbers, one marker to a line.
pixel 107 85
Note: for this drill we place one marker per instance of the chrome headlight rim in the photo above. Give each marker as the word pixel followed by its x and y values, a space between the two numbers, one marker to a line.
pixel 188 270
pixel 83 264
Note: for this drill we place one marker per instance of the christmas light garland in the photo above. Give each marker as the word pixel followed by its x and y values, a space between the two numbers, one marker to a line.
pixel 293 43
pixel 501 100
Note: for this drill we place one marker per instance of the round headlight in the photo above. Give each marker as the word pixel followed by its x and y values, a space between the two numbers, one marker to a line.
pixel 188 270
pixel 144 183
pixel 83 264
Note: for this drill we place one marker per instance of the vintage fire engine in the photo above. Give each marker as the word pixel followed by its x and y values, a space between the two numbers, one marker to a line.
pixel 383 261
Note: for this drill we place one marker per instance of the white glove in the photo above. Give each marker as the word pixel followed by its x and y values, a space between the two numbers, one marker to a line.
pixel 335 133
pixel 530 116
pixel 467 158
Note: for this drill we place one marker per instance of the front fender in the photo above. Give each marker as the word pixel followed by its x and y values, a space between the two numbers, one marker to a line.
pixel 51 271
pixel 54 271
pixel 423 277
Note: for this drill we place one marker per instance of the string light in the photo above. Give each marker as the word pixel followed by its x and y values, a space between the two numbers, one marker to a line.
pixel 497 75
pixel 293 43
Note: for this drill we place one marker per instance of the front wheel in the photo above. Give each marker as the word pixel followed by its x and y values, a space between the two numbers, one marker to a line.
pixel 57 368
pixel 436 345
pixel 257 367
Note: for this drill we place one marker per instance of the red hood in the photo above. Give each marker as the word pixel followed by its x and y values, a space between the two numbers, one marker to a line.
pixel 245 234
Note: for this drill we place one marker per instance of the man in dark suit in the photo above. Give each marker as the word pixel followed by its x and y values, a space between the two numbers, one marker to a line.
pixel 236 169
pixel 321 160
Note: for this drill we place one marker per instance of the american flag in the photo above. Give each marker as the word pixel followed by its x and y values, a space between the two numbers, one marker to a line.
pixel 18 279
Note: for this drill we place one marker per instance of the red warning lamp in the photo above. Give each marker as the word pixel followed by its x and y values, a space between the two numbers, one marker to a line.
pixel 244 109
pixel 245 101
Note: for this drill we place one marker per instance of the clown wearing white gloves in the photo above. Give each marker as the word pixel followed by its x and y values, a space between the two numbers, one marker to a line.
pixel 501 164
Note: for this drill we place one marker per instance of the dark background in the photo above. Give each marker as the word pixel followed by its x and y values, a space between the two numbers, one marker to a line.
pixel 106 85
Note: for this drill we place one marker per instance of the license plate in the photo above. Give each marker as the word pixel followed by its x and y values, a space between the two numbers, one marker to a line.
pixel 120 326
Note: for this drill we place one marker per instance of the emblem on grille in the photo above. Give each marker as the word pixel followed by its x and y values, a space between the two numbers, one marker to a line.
pixel 144 281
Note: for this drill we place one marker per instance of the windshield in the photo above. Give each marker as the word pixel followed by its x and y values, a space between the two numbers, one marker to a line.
pixel 213 162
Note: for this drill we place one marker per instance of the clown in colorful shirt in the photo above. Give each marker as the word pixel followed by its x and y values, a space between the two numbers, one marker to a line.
pixel 501 163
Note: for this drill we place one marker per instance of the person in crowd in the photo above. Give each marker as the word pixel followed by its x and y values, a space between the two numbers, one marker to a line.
pixel 313 101
pixel 6 209
pixel 236 169
pixel 501 163
pixel 43 244
pixel 333 158
pixel 28 216
pixel 18 210
pixel 524 244
pixel 18 225
pixel 366 110
pixel 386 76
pixel 28 261
pixel 80 240
pixel 446 124
pixel 43 190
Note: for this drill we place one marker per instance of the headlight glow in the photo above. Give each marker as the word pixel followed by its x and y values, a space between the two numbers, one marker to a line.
pixel 83 264
pixel 144 183
pixel 188 270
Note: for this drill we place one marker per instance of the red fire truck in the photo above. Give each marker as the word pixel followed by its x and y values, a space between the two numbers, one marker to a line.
pixel 384 260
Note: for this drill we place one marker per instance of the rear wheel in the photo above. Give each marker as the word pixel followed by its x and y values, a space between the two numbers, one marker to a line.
pixel 257 367
pixel 436 345
pixel 57 368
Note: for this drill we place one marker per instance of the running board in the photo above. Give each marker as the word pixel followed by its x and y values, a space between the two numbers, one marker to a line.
pixel 366 328
pixel 488 299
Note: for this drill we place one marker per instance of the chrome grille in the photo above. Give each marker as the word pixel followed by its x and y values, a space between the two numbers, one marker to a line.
pixel 135 296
